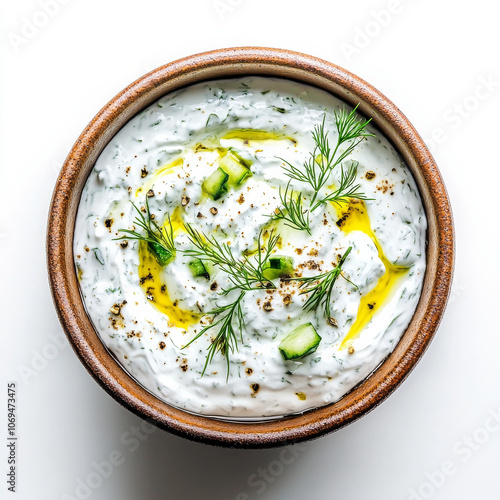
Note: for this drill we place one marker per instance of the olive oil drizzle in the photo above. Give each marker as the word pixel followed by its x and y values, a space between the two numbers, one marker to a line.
pixel 353 216
pixel 150 274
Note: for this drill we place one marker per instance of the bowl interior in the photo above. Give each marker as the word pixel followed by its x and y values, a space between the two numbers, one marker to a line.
pixel 233 63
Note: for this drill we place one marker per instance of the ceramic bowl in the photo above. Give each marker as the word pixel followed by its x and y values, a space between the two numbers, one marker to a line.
pixel 234 63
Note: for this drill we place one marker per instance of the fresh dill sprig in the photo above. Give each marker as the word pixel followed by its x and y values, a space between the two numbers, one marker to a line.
pixel 292 211
pixel 347 187
pixel 160 239
pixel 321 286
pixel 349 129
pixel 317 169
pixel 226 340
pixel 245 274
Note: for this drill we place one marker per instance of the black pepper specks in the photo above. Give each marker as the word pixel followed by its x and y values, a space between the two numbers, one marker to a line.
pixel 267 306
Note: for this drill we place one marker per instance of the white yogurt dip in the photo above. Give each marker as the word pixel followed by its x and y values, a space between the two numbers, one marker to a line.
pixel 146 313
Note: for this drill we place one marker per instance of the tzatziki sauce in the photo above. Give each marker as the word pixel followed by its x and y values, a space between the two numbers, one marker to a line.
pixel 146 313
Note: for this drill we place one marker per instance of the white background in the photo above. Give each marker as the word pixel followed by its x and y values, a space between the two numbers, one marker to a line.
pixel 432 59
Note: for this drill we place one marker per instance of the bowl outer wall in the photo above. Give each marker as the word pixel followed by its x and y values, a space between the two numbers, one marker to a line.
pixel 238 62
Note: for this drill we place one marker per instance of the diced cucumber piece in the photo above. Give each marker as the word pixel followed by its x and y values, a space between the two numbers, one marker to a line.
pixel 215 185
pixel 236 171
pixel 162 255
pixel 277 266
pixel 198 269
pixel 245 161
pixel 300 342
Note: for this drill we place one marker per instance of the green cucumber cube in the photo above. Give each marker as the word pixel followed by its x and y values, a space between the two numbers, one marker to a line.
pixel 278 266
pixel 162 255
pixel 236 171
pixel 198 269
pixel 245 161
pixel 215 185
pixel 300 342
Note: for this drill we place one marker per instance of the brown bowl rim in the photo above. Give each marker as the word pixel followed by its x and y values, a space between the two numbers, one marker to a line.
pixel 233 62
